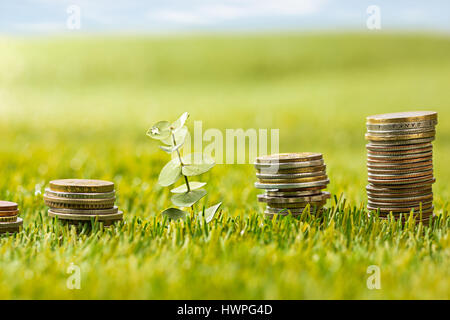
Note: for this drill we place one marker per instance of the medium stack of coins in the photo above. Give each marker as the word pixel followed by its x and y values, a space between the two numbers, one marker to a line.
pixel 292 182
pixel 79 200
pixel 400 163
pixel 9 217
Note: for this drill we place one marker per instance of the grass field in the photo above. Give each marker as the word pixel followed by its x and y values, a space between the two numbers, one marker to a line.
pixel 80 107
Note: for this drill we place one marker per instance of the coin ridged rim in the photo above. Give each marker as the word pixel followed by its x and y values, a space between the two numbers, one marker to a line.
pixel 402 125
pixel 402 181
pixel 8 218
pixel 79 201
pixel 8 206
pixel 401 205
pixel 395 148
pixel 289 175
pixel 399 172
pixel 292 210
pixel 382 133
pixel 404 137
pixel 415 174
pixel 298 180
pixel 291 185
pixel 405 195
pixel 72 195
pixel 292 194
pixel 401 200
pixel 399 117
pixel 92 206
pixel 410 142
pixel 9 213
pixel 86 217
pixel 296 205
pixel 306 199
pixel 395 166
pixel 290 157
pixel 16 224
pixel 420 155
pixel 410 186
pixel 400 152
pixel 289 165
pixel 401 161
pixel 386 190
pixel 86 211
pixel 81 185
pixel 400 210
pixel 294 170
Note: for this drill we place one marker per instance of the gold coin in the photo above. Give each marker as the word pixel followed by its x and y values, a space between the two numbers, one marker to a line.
pixel 81 186
pixel 400 152
pixel 9 213
pixel 414 116
pixel 8 219
pixel 299 180
pixel 11 227
pixel 294 170
pixel 8 206
pixel 404 137
pixel 289 157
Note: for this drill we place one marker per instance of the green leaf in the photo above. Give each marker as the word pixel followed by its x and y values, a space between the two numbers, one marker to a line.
pixel 193 185
pixel 187 199
pixel 175 214
pixel 196 164
pixel 178 124
pixel 170 173
pixel 180 137
pixel 211 212
pixel 159 131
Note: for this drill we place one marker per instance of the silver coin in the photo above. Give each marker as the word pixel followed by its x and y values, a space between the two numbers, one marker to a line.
pixel 8 225
pixel 291 185
pixel 289 175
pixel 401 181
pixel 371 156
pixel 85 217
pixel 396 175
pixel 86 211
pixel 399 132
pixel 270 167
pixel 320 197
pixel 405 199
pixel 402 142
pixel 394 148
pixel 402 125
pixel 292 210
pixel 288 194
pixel 71 195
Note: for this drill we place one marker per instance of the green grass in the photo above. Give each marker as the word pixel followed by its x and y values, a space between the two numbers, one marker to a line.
pixel 80 107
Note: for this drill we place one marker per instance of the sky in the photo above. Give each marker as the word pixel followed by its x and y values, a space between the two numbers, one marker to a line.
pixel 166 16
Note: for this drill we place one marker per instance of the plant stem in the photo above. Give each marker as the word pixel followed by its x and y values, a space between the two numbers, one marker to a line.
pixel 182 164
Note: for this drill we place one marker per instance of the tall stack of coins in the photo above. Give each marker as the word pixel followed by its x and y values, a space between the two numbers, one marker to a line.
pixel 400 163
pixel 292 181
pixel 79 200
pixel 9 217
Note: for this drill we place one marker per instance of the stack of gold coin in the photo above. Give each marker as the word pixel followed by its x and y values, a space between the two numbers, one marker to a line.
pixel 400 164
pixel 79 200
pixel 9 217
pixel 292 182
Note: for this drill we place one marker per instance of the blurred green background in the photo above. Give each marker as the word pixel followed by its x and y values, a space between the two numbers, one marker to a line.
pixel 80 107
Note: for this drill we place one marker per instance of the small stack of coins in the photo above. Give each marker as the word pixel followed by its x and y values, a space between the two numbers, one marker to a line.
pixel 79 200
pixel 400 163
pixel 292 182
pixel 9 217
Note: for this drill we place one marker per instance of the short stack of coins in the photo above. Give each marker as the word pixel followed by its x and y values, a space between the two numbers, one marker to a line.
pixel 292 182
pixel 400 164
pixel 81 200
pixel 9 217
